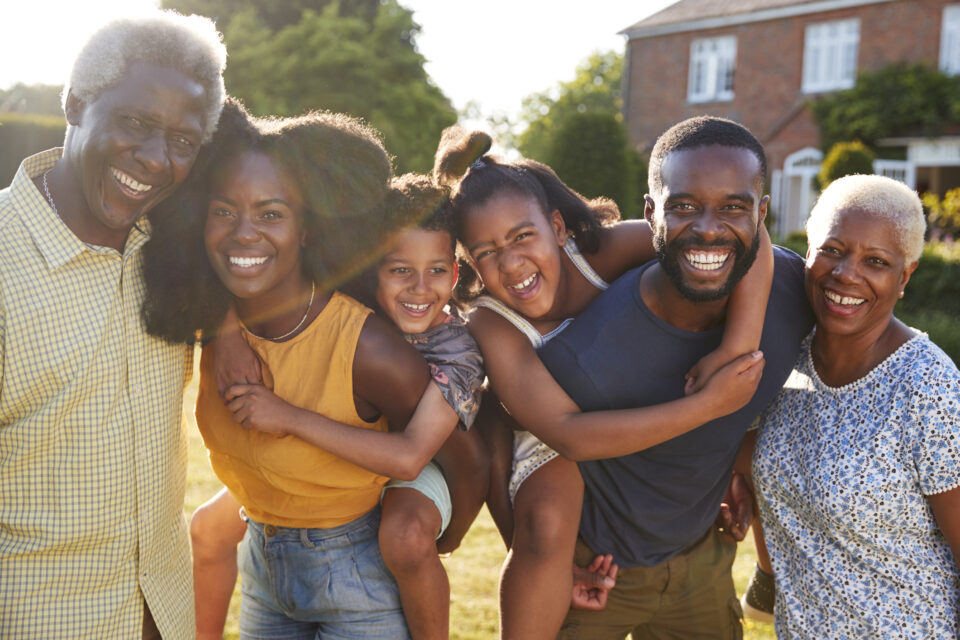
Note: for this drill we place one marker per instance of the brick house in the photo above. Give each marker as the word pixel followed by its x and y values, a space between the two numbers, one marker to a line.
pixel 759 61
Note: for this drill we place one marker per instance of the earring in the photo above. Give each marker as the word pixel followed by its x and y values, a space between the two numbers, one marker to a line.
pixel 901 294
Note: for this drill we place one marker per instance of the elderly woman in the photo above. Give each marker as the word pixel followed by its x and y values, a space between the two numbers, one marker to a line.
pixel 857 462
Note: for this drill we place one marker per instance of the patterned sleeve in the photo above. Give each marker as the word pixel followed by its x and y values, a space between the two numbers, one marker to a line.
pixel 457 368
pixel 936 430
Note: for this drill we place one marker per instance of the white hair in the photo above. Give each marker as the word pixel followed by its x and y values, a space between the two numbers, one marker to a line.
pixel 879 196
pixel 189 44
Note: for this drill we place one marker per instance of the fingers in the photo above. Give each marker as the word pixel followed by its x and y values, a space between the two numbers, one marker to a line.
pixel 236 390
pixel 747 361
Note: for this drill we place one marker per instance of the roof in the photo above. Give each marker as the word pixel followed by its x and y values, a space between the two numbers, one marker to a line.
pixel 691 15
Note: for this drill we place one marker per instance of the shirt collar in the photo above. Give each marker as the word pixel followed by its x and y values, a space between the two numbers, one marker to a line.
pixel 56 242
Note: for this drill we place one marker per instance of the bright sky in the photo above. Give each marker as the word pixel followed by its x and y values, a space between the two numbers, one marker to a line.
pixel 494 52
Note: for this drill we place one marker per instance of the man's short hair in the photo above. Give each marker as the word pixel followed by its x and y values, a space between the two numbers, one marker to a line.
pixel 703 131
pixel 189 44
pixel 881 197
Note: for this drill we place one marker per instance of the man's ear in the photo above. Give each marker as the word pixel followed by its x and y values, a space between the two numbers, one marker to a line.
pixel 762 210
pixel 649 207
pixel 72 108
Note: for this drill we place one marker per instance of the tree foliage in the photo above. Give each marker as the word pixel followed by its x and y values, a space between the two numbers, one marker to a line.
pixel 595 88
pixel 354 56
pixel 845 159
pixel 590 153
pixel 577 129
pixel 898 100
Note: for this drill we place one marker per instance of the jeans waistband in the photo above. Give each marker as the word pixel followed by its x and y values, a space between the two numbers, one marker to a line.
pixel 370 518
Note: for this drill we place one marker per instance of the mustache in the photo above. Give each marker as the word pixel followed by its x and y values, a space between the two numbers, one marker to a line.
pixel 699 243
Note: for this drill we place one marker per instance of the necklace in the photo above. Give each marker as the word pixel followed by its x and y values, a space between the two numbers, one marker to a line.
pixel 46 190
pixel 313 290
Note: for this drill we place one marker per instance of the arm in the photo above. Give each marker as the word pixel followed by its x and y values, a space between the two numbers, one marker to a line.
pixel 946 510
pixel 745 314
pixel 397 454
pixel 623 246
pixel 234 362
pixel 537 402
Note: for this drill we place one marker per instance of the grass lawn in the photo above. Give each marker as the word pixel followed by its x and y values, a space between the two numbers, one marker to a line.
pixel 473 569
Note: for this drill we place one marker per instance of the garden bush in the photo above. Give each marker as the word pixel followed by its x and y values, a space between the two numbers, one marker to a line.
pixel 844 159
pixel 22 135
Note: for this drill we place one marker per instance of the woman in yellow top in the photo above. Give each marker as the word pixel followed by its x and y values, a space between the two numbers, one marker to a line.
pixel 272 207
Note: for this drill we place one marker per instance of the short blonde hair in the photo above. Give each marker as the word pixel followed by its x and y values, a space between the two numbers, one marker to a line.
pixel 189 44
pixel 879 196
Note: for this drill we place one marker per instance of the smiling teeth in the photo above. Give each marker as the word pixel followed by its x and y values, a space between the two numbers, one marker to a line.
pixel 844 300
pixel 707 261
pixel 247 262
pixel 526 283
pixel 129 182
pixel 416 307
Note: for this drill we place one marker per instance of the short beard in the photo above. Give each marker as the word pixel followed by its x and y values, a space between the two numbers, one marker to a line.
pixel 670 257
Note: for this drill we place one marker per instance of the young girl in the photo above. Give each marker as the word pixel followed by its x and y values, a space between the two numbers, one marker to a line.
pixel 522 230
pixel 414 281
pixel 271 198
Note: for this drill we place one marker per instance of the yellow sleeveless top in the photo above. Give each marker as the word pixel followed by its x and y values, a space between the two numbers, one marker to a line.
pixel 283 480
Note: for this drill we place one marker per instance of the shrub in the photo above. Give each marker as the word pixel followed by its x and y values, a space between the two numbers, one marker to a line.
pixel 22 135
pixel 590 153
pixel 943 216
pixel 897 100
pixel 844 159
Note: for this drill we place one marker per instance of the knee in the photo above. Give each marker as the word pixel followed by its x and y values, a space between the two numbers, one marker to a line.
pixel 544 531
pixel 211 537
pixel 408 536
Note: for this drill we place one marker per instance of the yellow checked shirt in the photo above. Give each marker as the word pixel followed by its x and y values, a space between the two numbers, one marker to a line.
pixel 92 438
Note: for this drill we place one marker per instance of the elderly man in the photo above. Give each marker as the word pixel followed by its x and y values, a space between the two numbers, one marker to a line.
pixel 93 543
pixel 654 509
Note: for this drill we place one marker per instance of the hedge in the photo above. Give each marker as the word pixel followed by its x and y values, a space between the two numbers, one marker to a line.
pixel 23 135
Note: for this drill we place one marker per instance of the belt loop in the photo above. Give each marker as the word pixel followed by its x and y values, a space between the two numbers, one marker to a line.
pixel 305 539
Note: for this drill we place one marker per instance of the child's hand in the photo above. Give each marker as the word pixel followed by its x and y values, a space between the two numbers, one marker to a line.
pixel 736 511
pixel 592 584
pixel 256 407
pixel 704 369
pixel 732 386
pixel 234 362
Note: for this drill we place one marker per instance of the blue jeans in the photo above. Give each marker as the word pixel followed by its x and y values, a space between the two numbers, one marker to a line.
pixel 318 584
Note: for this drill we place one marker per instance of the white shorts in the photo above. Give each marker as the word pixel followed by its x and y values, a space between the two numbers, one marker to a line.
pixel 529 454
pixel 432 484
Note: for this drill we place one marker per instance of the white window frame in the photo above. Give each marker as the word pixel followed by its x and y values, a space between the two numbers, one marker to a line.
pixel 950 40
pixel 712 63
pixel 830 52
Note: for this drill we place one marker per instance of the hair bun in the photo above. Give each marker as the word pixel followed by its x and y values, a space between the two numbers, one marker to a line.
pixel 458 149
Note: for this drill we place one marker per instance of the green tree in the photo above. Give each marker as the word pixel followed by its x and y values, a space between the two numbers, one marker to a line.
pixel 595 88
pixel 844 159
pixel 897 100
pixel 354 56
pixel 590 153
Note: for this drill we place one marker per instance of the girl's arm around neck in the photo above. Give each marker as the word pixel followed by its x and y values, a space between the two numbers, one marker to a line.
pixel 623 246
pixel 540 405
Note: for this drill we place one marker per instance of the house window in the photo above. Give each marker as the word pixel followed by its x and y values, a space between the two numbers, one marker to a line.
pixel 830 55
pixel 711 69
pixel 950 40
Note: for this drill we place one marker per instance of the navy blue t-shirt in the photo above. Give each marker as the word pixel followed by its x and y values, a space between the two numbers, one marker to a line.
pixel 648 506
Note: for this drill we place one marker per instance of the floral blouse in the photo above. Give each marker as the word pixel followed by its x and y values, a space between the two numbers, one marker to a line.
pixel 842 474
